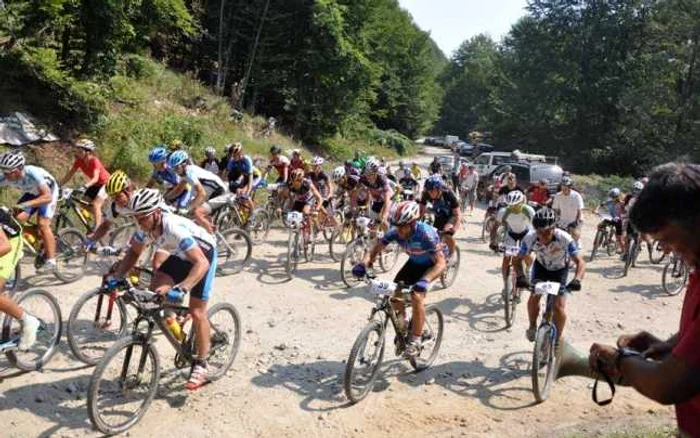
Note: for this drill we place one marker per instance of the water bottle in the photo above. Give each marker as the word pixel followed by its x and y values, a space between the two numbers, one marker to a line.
pixel 174 328
pixel 31 238
pixel 87 214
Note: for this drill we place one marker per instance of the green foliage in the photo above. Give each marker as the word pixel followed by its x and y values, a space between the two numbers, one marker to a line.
pixel 594 188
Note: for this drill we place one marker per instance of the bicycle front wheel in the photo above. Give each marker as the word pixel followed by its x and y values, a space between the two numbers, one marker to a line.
pixel 354 254
pixel 233 247
pixel 258 225
pixel 123 385
pixel 96 322
pixel 629 256
pixel 71 255
pixel 43 306
pixel 293 254
pixel 431 338
pixel 656 252
pixel 450 275
pixel 225 338
pixel 364 362
pixel 388 257
pixel 543 362
pixel 674 277
pixel 508 291
pixel 597 241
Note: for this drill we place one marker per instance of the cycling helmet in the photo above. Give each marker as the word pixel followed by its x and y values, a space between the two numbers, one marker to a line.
pixel 637 187
pixel 317 161
pixel 295 152
pixel 544 218
pixel 158 154
pixel 237 147
pixel 516 197
pixel 210 151
pixel 297 174
pixel 11 161
pixel 145 201
pixel 117 182
pixel 276 150
pixel 405 213
pixel 177 158
pixel 407 172
pixel 85 144
pixel 175 145
pixel 372 166
pixel 567 182
pixel 434 182
pixel 614 192
pixel 338 173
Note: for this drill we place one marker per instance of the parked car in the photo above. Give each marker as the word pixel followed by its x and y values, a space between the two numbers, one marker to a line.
pixel 446 163
pixel 466 149
pixel 527 174
pixel 439 141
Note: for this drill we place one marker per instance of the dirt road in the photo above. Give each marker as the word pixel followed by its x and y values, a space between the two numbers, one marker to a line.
pixel 297 335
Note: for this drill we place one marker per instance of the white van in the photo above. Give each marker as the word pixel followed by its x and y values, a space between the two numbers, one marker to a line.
pixel 488 161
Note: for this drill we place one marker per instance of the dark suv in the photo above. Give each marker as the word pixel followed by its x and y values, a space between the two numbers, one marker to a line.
pixel 528 174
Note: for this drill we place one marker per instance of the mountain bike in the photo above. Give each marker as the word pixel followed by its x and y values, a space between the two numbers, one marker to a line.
pixel 604 237
pixel 490 221
pixel 367 353
pixel 72 204
pixel 255 222
pixel 511 292
pixel 367 235
pixel 341 237
pixel 42 305
pixel 675 275
pixel 633 250
pixel 449 275
pixel 125 381
pixel 544 355
pixel 302 239
pixel 657 252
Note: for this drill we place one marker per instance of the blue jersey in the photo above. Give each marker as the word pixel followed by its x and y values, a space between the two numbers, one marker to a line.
pixel 166 177
pixel 421 247
pixel 238 168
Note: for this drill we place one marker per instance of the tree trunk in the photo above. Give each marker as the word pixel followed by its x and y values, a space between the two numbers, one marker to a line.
pixel 249 68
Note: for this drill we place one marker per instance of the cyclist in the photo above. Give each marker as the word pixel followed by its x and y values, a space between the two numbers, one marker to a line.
pixel 468 182
pixel 509 183
pixel 435 168
pixel 119 189
pixel 507 173
pixel 302 194
pixel 324 185
pixel 10 253
pixel 92 168
pixel 189 266
pixel 426 262
pixel 539 194
pixel 298 162
pixel 210 162
pixel 240 176
pixel 40 197
pixel 209 191
pixel 628 202
pixel 516 217
pixel 415 170
pixel 280 163
pixel 378 188
pixel 615 208
pixel 408 182
pixel 174 195
pixel 553 248
pixel 568 204
pixel 446 208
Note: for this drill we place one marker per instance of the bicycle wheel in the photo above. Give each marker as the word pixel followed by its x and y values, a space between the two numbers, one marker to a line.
pixel 328 229
pixel 96 322
pixel 233 248
pixel 486 229
pixel 258 225
pixel 543 362
pixel 43 306
pixel 597 242
pixel 656 252
pixel 340 239
pixel 353 255
pixel 610 244
pixel 310 244
pixel 293 253
pixel 674 277
pixel 629 256
pixel 431 338
pixel 450 275
pixel 71 255
pixel 388 257
pixel 123 385
pixel 364 362
pixel 225 338
pixel 12 283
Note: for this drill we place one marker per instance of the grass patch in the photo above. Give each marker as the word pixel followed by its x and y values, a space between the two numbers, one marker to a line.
pixel 595 188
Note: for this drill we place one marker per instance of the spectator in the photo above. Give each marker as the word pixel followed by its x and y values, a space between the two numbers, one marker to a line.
pixel 539 194
pixel 666 371
pixel 568 204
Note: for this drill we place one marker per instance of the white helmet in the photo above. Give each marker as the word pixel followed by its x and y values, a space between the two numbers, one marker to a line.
pixel 372 166
pixel 210 151
pixel 338 173
pixel 405 212
pixel 145 201
pixel 514 198
pixel 614 192
pixel 317 161
pixel 85 144
pixel 11 160
pixel 637 187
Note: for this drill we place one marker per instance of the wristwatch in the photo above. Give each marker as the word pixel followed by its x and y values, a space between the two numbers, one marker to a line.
pixel 623 353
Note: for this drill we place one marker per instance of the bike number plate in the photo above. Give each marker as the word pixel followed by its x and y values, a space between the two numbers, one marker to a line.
pixel 294 217
pixel 362 222
pixel 547 288
pixel 65 193
pixel 512 251
pixel 382 287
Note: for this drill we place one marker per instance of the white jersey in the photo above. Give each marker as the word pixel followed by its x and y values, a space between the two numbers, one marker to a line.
pixel 212 166
pixel 517 223
pixel 553 256
pixel 34 177
pixel 179 236
pixel 212 184
pixel 568 207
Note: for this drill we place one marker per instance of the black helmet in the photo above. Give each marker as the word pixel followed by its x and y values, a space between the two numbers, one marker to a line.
pixel 275 149
pixel 544 218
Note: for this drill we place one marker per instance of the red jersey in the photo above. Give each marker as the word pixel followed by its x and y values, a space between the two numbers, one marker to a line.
pixel 539 195
pixel 688 413
pixel 89 168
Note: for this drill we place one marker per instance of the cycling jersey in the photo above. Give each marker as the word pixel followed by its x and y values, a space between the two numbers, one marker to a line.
pixel 179 236
pixel 378 188
pixel 212 184
pixel 408 183
pixel 280 162
pixel 297 164
pixel 442 206
pixel 166 177
pixel 33 178
pixel 421 247
pixel 89 168
pixel 303 193
pixel 238 168
pixel 321 181
pixel 517 222
pixel 553 256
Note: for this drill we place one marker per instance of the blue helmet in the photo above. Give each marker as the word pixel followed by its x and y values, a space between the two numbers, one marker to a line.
pixel 158 154
pixel 177 158
pixel 434 182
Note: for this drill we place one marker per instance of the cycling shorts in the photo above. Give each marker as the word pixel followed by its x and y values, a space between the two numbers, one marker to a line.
pixel 46 210
pixel 412 272
pixel 513 239
pixel 178 269
pixel 10 260
pixel 96 191
pixel 441 221
pixel 540 273
pixel 299 206
pixel 217 200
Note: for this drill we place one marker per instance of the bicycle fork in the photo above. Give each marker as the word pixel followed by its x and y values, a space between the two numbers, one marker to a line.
pixel 110 308
pixel 138 377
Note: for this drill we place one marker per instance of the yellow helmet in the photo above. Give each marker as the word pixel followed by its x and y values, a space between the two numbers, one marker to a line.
pixel 117 182
pixel 175 145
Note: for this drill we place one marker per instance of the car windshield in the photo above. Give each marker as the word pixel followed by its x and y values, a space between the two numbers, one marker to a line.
pixel 483 159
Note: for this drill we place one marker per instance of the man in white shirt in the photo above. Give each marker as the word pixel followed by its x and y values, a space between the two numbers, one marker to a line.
pixel 569 206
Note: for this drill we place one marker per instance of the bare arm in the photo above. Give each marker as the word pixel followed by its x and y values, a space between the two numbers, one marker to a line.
pixel 580 267
pixel 67 177
pixel 200 266
pixel 670 381
pixel 5 246
pixel 44 197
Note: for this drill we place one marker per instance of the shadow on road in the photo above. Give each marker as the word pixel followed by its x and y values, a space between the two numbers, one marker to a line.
pixel 486 317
